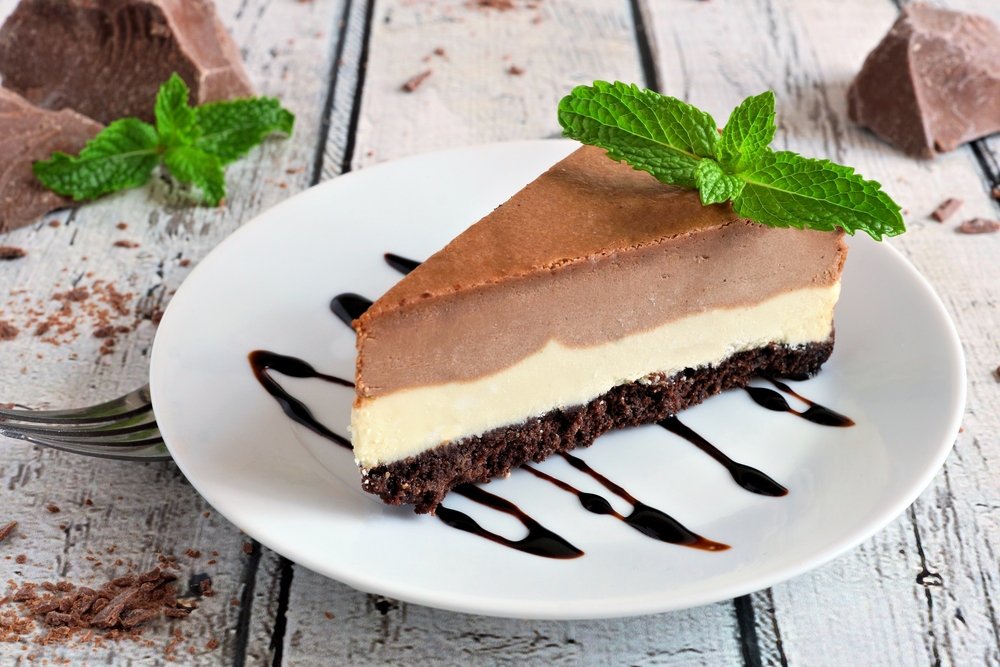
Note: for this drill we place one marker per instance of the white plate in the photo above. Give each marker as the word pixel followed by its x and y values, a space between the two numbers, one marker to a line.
pixel 897 370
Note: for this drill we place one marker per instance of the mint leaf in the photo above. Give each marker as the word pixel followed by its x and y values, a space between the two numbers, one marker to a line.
pixel 714 185
pixel 175 119
pixel 230 129
pixel 787 190
pixel 191 165
pixel 122 155
pixel 661 135
pixel 748 131
pixel 679 144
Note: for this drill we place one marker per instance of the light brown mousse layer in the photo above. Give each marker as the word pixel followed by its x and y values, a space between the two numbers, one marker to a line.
pixel 591 251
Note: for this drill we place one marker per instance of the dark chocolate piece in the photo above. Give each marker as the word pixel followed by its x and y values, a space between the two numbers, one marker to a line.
pixel 932 83
pixel 28 133
pixel 424 479
pixel 979 226
pixel 946 209
pixel 107 59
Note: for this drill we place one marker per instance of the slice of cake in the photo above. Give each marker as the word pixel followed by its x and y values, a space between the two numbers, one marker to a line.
pixel 595 298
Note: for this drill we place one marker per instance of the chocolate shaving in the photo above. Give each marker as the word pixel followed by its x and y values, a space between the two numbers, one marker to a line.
pixel 7 529
pixel 8 252
pixel 979 226
pixel 946 209
pixel 415 81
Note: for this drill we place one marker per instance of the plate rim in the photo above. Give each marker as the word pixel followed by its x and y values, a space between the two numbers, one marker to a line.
pixel 618 607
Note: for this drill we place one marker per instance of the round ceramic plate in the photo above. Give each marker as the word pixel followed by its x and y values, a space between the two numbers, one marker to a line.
pixel 897 371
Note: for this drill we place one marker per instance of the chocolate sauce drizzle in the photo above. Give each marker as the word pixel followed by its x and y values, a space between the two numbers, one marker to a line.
pixel 540 541
pixel 815 413
pixel 646 519
pixel 749 478
pixel 402 264
pixel 349 306
pixel 262 361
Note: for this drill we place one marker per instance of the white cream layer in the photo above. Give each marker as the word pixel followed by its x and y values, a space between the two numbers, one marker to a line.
pixel 392 427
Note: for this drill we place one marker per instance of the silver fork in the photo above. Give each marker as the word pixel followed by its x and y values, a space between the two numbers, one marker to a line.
pixel 123 428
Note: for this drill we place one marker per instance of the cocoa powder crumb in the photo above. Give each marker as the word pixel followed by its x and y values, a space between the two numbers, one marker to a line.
pixel 184 262
pixel 248 548
pixel 415 81
pixel 192 553
pixel 995 192
pixel 7 529
pixel 55 223
pixel 514 70
pixel 946 209
pixel 329 615
pixel 122 225
pixel 125 243
pixel 8 331
pixel 21 559
pixel 979 226
pixel 53 508
pixel 8 252
pixel 212 644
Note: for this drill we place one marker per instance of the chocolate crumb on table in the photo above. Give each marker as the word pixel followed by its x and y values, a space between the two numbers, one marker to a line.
pixel 415 81
pixel 8 252
pixel 53 508
pixel 21 559
pixel 514 70
pixel 122 225
pixel 125 243
pixel 248 548
pixel 995 192
pixel 946 209
pixel 979 226
pixel 7 529
pixel 8 331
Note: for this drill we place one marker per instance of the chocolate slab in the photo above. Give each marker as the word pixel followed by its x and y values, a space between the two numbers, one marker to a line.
pixel 932 83
pixel 591 251
pixel 425 479
pixel 106 59
pixel 28 133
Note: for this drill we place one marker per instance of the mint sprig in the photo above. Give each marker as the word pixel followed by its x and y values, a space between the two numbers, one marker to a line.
pixel 680 144
pixel 193 143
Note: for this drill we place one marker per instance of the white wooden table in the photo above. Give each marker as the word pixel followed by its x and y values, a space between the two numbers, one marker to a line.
pixel 925 590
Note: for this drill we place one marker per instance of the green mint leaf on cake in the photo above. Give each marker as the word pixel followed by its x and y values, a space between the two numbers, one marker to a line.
pixel 230 129
pixel 654 133
pixel 192 143
pixel 787 190
pixel 122 155
pixel 714 185
pixel 748 132
pixel 681 145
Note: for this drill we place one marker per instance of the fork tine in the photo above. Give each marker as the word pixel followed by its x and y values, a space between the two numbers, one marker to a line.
pixel 131 440
pixel 133 423
pixel 130 404
pixel 156 451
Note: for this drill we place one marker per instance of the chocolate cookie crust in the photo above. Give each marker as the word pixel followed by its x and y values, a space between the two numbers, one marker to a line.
pixel 425 479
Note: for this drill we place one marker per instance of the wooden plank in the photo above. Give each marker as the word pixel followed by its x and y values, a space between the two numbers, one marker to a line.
pixel 869 605
pixel 471 98
pixel 145 510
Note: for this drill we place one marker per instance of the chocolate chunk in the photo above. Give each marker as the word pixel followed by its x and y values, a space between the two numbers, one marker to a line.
pixel 28 133
pixel 946 209
pixel 8 252
pixel 932 83
pixel 107 59
pixel 979 226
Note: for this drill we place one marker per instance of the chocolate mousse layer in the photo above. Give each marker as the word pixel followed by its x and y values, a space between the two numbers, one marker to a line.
pixel 27 134
pixel 107 58
pixel 591 251
pixel 424 479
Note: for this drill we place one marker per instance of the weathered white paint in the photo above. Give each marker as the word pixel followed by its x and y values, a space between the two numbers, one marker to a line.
pixel 864 608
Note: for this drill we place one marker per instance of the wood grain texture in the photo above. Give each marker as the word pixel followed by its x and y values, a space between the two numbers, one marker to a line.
pixel 148 509
pixel 921 591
